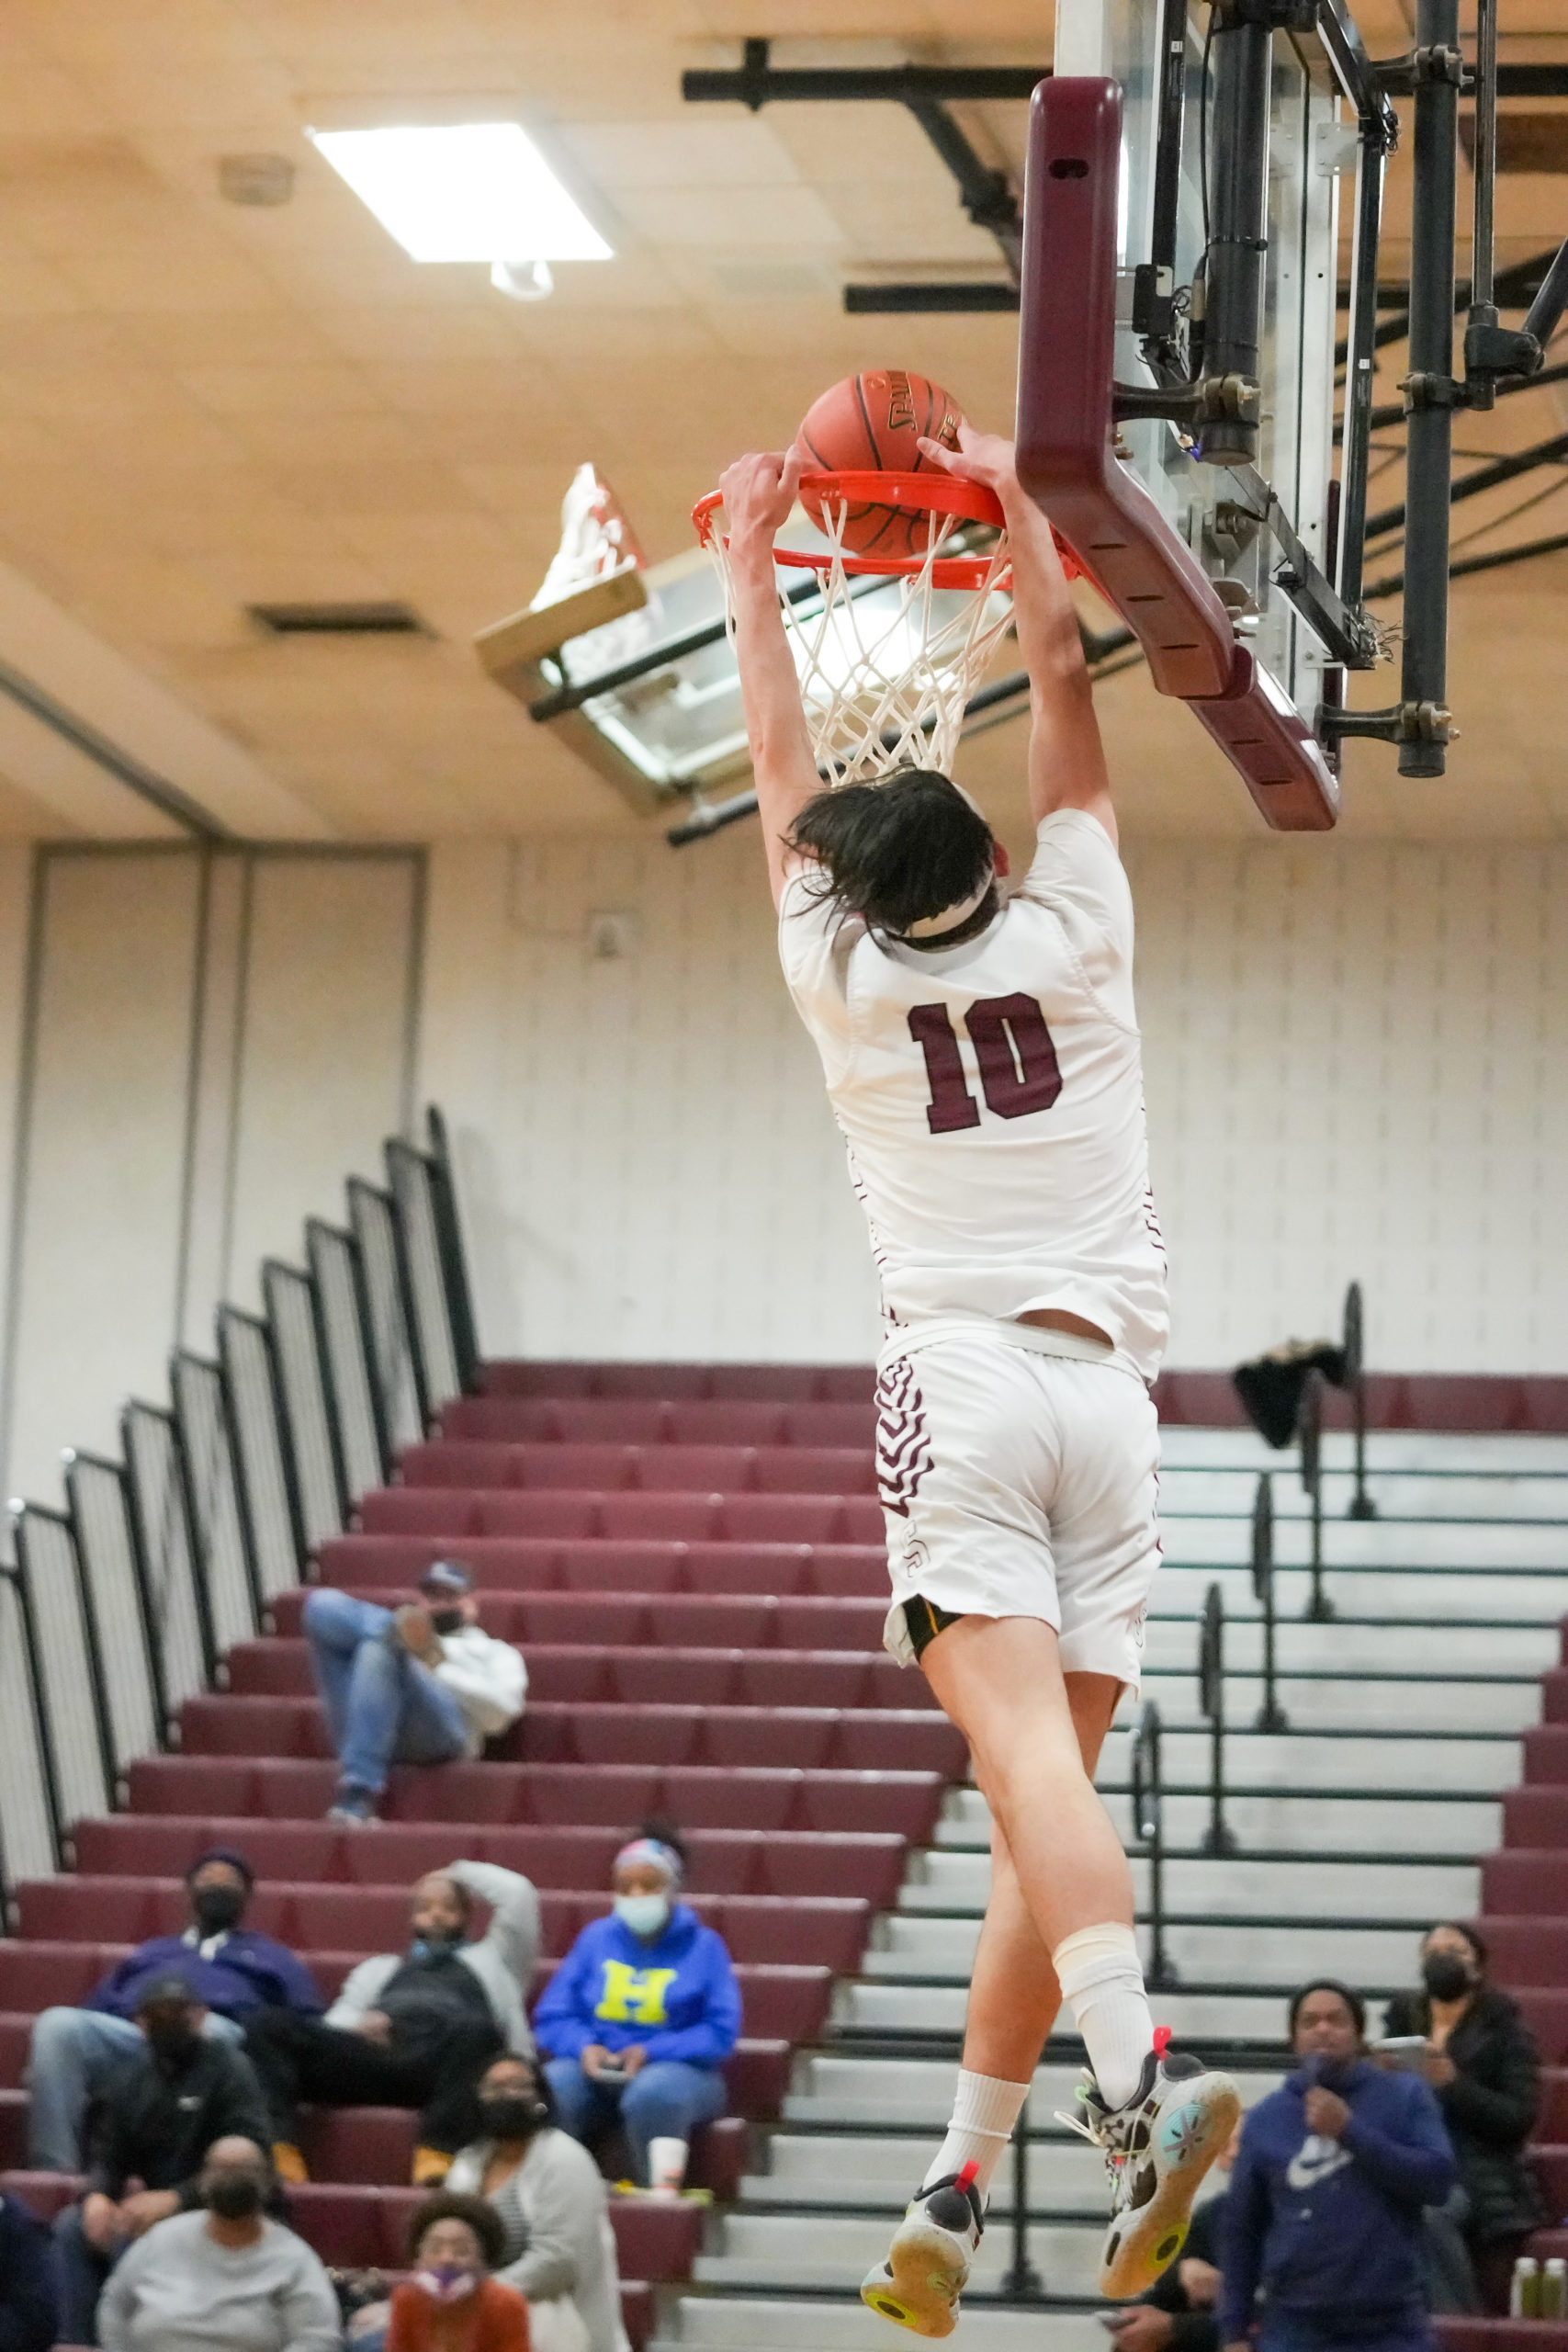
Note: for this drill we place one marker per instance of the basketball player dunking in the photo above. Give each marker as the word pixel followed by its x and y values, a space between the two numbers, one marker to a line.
pixel 983 1061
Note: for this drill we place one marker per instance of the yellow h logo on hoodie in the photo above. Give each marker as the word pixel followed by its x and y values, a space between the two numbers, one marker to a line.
pixel 634 1995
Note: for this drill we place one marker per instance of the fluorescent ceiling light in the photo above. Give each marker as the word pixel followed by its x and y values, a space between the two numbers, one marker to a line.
pixel 465 191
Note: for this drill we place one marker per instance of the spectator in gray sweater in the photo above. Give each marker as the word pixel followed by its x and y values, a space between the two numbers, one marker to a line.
pixel 222 2279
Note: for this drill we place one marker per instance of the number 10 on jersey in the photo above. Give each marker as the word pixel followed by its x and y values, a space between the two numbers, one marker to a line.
pixel 1019 1070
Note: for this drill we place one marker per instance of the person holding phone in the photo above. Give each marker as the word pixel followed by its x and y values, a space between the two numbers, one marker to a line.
pixel 1321 2239
pixel 1470 2043
pixel 642 2012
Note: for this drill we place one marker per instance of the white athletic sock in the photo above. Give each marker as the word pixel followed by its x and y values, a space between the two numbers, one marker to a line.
pixel 984 2112
pixel 1102 1982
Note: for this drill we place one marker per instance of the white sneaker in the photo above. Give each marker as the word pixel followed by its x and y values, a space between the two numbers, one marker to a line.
pixel 928 2263
pixel 1156 2148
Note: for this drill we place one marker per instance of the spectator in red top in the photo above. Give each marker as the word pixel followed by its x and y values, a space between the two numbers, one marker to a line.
pixel 452 2303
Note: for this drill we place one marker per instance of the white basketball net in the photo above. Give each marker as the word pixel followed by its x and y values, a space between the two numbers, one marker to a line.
pixel 888 663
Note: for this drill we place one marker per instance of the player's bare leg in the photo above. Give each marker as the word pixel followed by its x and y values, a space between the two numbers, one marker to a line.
pixel 1060 1918
pixel 1014 1997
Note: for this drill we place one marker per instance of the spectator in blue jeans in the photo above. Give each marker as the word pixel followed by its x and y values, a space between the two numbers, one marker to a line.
pixel 231 1970
pixel 643 2011
pixel 415 1685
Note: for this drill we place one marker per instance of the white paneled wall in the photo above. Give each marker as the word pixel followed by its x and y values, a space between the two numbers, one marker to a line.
pixel 1356 1060
pixel 648 1164
pixel 208 1048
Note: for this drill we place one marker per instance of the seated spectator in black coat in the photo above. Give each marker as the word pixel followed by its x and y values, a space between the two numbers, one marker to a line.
pixel 1179 2311
pixel 169 2106
pixel 415 2027
pixel 30 2313
pixel 1481 2061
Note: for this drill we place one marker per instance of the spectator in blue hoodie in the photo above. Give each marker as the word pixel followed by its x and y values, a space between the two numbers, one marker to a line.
pixel 643 2011
pixel 1323 2217
pixel 231 1970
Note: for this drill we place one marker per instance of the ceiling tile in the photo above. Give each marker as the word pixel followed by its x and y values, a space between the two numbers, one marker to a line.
pixel 721 148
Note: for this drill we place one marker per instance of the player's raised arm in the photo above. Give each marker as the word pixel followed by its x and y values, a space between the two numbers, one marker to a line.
pixel 758 493
pixel 1066 759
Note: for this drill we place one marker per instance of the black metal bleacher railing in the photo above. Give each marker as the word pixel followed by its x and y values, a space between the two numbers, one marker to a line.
pixel 120 1607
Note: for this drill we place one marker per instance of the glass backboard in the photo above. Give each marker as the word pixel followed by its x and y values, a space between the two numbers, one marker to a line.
pixel 1219 510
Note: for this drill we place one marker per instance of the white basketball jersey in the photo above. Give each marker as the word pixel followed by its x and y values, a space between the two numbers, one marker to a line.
pixel 992 1099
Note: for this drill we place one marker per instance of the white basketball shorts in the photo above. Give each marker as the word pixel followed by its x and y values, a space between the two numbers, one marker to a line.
pixel 1018 1484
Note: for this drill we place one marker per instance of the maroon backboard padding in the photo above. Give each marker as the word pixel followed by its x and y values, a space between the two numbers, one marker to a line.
pixel 1066 461
pixel 1065 366
pixel 1262 734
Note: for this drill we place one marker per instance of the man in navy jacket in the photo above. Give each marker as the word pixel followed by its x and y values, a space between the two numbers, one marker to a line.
pixel 1324 2215
pixel 229 1969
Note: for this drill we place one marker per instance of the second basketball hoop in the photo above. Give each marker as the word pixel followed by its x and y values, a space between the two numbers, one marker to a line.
pixel 888 648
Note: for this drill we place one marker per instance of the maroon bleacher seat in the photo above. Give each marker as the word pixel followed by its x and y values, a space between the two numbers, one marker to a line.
pixel 691 1559
pixel 1502 2335
pixel 724 1861
pixel 1535 1817
pixel 1546 1754
pixel 1526 1880
pixel 1551 2124
pixel 1552 2169
pixel 700 1796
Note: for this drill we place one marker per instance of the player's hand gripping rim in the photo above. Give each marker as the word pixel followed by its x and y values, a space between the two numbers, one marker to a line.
pixel 983 457
pixel 759 491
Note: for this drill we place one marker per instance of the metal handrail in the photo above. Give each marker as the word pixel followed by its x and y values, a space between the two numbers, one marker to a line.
pixel 1271 1715
pixel 119 1610
pixel 1148 1829
pixel 1021 2282
pixel 1219 1838
pixel 1361 1503
pixel 1309 1436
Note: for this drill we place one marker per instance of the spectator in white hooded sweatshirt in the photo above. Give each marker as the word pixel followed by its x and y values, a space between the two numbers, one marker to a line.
pixel 417 1685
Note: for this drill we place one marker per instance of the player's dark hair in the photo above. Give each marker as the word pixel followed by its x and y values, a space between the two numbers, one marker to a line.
pixel 900 852
pixel 1352 2001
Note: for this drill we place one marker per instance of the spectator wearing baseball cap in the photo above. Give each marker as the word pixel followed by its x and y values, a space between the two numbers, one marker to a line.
pixel 415 1685
pixel 229 1970
pixel 181 2094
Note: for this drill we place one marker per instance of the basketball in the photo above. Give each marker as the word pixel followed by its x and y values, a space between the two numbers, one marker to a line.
pixel 873 423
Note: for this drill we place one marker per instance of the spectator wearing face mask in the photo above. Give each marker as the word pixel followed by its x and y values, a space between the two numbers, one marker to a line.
pixel 1481 2061
pixel 1324 2216
pixel 451 2304
pixel 171 2105
pixel 229 1969
pixel 224 2280
pixel 642 2012
pixel 415 2027
pixel 559 2250
pixel 417 1685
